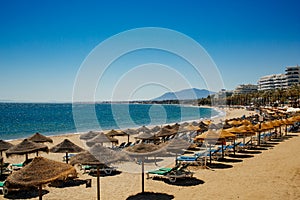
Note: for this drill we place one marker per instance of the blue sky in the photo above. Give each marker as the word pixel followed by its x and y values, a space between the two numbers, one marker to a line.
pixel 43 43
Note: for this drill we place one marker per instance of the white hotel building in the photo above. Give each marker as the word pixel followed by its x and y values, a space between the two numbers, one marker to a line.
pixel 276 81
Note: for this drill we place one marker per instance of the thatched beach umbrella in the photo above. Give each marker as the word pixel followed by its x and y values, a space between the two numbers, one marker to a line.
pixel 143 129
pixel 156 129
pixel 100 139
pixel 66 146
pixel 39 138
pixel 40 171
pixel 112 133
pixel 246 131
pixel 145 136
pixel 211 137
pixel 4 146
pixel 26 147
pixel 86 158
pixel 234 122
pixel 191 127
pixel 130 132
pixel 164 132
pixel 228 136
pixel 99 155
pixel 89 135
pixel 142 151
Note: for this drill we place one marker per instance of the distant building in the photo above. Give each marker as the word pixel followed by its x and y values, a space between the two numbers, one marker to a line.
pixel 272 82
pixel 245 88
pixel 280 81
pixel 292 75
pixel 223 93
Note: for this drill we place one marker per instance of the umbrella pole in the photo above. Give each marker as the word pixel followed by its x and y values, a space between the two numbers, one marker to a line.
pixel 40 192
pixel 209 153
pixel 127 138
pixel 98 182
pixel 37 153
pixel 1 165
pixel 26 156
pixel 222 150
pixel 67 157
pixel 143 184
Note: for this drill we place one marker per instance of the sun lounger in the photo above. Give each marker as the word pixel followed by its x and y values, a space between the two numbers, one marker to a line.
pixel 16 166
pixel 197 159
pixel 172 174
pixel 93 168
pixel 5 168
pixel 3 188
pixel 122 145
pixel 127 144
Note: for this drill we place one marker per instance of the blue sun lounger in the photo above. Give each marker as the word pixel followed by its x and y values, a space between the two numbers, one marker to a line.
pixel 172 174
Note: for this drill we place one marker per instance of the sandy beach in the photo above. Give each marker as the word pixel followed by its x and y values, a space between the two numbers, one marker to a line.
pixel 268 173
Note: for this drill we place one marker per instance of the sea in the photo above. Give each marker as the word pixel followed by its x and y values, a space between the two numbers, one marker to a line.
pixel 20 120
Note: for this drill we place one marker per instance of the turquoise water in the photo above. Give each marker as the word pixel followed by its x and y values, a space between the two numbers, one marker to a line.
pixel 20 120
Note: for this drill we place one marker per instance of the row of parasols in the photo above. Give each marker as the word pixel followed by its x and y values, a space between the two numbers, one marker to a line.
pixel 41 172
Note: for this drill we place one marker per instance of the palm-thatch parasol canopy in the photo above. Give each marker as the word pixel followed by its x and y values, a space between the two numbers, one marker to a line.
pixel 192 127
pixel 39 138
pixel 166 132
pixel 227 135
pixel 26 147
pixel 101 138
pixel 211 136
pixel 40 171
pixel 130 131
pixel 84 158
pixel 89 135
pixel 145 136
pixel 234 122
pixel 66 146
pixel 113 133
pixel 108 156
pixel 143 129
pixel 4 146
pixel 155 129
pixel 142 150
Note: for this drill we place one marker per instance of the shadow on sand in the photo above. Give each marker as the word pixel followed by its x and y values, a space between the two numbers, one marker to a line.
pixel 240 156
pixel 151 196
pixel 103 174
pixel 257 148
pixel 68 183
pixel 219 166
pixel 229 160
pixel 185 182
pixel 25 194
pixel 250 152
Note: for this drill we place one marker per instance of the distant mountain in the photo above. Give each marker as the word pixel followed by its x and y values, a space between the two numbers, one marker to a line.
pixel 186 94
